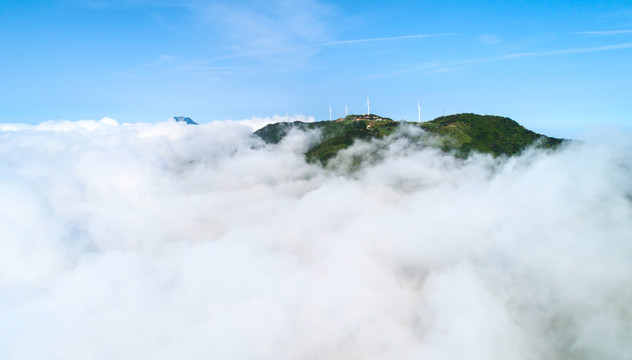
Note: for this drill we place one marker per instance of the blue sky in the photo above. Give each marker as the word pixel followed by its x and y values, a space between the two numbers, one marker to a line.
pixel 559 67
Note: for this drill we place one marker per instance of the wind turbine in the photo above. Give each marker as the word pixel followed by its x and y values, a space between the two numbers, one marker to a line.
pixel 368 106
pixel 329 112
pixel 346 110
pixel 418 111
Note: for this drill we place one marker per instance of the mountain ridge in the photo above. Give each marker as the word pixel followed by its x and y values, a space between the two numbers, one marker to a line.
pixel 460 134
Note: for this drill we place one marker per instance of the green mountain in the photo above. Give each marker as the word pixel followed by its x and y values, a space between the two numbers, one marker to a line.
pixel 459 134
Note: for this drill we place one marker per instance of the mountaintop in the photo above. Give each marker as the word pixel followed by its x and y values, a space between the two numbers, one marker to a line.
pixel 363 117
pixel 460 134
pixel 184 119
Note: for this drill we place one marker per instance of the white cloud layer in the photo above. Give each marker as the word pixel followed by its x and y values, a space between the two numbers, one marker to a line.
pixel 257 122
pixel 168 241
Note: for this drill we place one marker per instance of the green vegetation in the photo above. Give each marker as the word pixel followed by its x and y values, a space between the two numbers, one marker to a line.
pixel 460 134
pixel 495 135
pixel 338 136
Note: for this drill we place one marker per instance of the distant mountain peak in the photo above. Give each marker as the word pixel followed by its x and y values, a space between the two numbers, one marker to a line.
pixel 184 119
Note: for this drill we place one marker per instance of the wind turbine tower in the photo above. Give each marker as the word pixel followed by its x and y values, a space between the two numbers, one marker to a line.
pixel 418 112
pixel 329 112
pixel 368 106
pixel 346 110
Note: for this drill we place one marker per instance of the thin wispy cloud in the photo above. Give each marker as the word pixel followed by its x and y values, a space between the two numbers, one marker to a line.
pixel 333 43
pixel 458 64
pixel 267 28
pixel 174 65
pixel 489 39
pixel 569 51
pixel 392 38
pixel 609 32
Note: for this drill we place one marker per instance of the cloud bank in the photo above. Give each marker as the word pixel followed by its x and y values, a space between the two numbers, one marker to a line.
pixel 167 241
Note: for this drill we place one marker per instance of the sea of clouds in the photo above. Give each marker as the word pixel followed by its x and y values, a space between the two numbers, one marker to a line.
pixel 171 241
